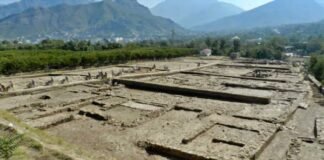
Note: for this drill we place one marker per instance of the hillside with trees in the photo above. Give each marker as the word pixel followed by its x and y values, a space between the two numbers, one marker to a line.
pixel 105 19
pixel 22 5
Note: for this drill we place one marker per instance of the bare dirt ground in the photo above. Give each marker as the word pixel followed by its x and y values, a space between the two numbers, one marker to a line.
pixel 187 108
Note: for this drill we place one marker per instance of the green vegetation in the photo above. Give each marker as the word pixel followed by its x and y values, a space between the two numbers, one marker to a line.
pixel 8 145
pixel 271 48
pixel 49 54
pixel 38 142
pixel 76 45
pixel 316 67
pixel 15 61
pixel 315 48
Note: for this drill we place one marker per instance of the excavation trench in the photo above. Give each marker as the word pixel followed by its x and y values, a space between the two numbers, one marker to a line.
pixel 172 153
pixel 204 73
pixel 228 142
pixel 193 92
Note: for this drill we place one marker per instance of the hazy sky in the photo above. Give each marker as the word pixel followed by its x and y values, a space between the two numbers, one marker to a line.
pixel 245 4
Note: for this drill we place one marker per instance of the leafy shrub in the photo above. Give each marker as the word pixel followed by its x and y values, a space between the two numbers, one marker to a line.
pixel 317 67
pixel 8 145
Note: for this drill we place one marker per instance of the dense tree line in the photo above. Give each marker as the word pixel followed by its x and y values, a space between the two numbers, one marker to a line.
pixel 58 54
pixel 55 54
pixel 268 49
pixel 315 47
pixel 75 45
pixel 15 61
pixel 271 47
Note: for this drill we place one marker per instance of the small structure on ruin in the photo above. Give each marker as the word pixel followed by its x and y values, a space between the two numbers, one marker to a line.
pixel 136 68
pixel 166 68
pixel 50 82
pixel 2 88
pixel 259 73
pixel 31 84
pixel 153 67
pixel 105 75
pixel 10 86
pixel 65 80
pixel 102 75
pixel 119 73
pixel 88 77
pixel 235 55
pixel 99 75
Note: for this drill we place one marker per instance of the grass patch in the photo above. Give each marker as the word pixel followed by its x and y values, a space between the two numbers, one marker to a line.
pixel 34 140
pixel 9 144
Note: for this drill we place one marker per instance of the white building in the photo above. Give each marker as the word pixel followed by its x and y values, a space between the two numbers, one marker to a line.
pixel 206 52
pixel 289 54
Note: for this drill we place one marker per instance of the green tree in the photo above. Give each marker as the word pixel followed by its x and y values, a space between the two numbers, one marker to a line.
pixel 208 42
pixel 236 45
pixel 314 45
pixel 51 44
pixel 313 61
pixel 222 44
pixel 215 47
pixel 264 53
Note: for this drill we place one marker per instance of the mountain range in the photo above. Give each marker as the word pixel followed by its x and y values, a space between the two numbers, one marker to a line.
pixel 189 13
pixel 20 6
pixel 275 13
pixel 108 18
pixel 92 19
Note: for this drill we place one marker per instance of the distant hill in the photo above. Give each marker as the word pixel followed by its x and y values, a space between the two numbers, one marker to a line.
pixel 109 18
pixel 302 30
pixel 18 7
pixel 189 13
pixel 278 12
